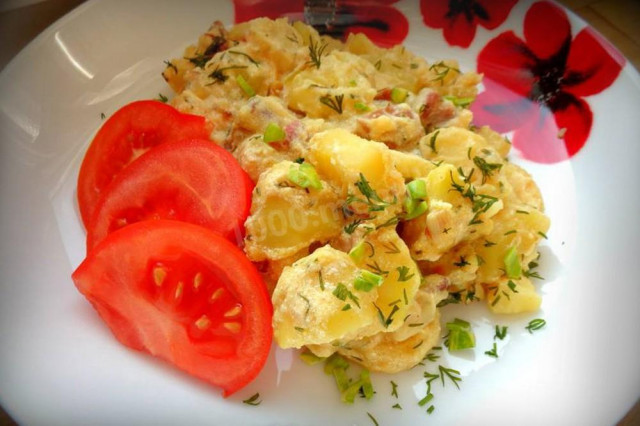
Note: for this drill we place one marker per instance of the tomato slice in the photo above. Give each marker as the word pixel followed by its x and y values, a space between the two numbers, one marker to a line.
pixel 128 133
pixel 184 294
pixel 192 180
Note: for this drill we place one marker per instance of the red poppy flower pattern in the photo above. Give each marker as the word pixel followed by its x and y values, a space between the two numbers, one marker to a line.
pixel 377 19
pixel 535 86
pixel 459 19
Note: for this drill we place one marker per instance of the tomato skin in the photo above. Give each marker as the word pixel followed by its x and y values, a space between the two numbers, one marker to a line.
pixel 144 316
pixel 129 132
pixel 192 180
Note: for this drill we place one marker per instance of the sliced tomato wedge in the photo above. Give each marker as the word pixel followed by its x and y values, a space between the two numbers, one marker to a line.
pixel 194 181
pixel 184 294
pixel 128 133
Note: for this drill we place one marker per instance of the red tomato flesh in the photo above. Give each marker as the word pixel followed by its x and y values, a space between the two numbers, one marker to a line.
pixel 128 133
pixel 184 294
pixel 192 180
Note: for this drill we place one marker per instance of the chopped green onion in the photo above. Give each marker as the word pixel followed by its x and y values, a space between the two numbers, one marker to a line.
pixel 310 359
pixel 415 208
pixel 367 280
pixel 512 264
pixel 417 189
pixel 335 361
pixel 274 133
pixel 367 387
pixel 349 394
pixel 245 86
pixel 361 106
pixel 357 252
pixel 460 335
pixel 305 176
pixel 398 95
pixel 459 102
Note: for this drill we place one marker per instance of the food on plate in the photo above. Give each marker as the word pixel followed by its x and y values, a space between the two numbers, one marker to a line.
pixel 182 293
pixel 126 135
pixel 376 198
pixel 191 180
pixel 368 197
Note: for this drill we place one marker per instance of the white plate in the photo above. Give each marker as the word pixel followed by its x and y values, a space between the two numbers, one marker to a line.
pixel 59 364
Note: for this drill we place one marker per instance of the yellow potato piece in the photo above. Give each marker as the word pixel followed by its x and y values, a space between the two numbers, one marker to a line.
pixel 411 166
pixel 286 218
pixel 503 299
pixel 387 255
pixel 308 301
pixel 343 158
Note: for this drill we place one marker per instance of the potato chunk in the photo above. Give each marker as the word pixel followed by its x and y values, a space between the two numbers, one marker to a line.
pixel 286 218
pixel 315 301
pixel 344 159
pixel 387 255
pixel 513 296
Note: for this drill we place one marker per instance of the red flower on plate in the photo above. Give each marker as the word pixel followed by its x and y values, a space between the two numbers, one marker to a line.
pixel 535 86
pixel 460 18
pixel 382 23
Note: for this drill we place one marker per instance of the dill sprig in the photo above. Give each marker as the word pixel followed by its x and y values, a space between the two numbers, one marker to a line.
pixel 486 168
pixel 334 103
pixel 535 324
pixel 403 273
pixel 493 352
pixel 442 70
pixel 201 59
pixel 253 400
pixel 389 319
pixel 315 52
pixel 253 61
pixel 453 375
pixel 218 73
pixel 501 332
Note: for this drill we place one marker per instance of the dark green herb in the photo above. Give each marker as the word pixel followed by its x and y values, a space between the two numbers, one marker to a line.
pixel 253 400
pixel 403 273
pixel 334 103
pixel 218 74
pixel 342 292
pixel 316 51
pixel 253 61
pixel 535 324
pixel 493 352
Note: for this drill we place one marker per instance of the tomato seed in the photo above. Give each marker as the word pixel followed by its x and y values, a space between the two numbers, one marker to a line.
pixel 203 322
pixel 159 274
pixel 216 295
pixel 197 280
pixel 233 327
pixel 179 288
pixel 233 311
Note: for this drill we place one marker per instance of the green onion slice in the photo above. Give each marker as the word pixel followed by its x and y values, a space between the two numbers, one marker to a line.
pixel 460 335
pixel 512 264
pixel 367 280
pixel 415 208
pixel 305 176
pixel 398 95
pixel 274 133
pixel 357 252
pixel 245 86
pixel 417 189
